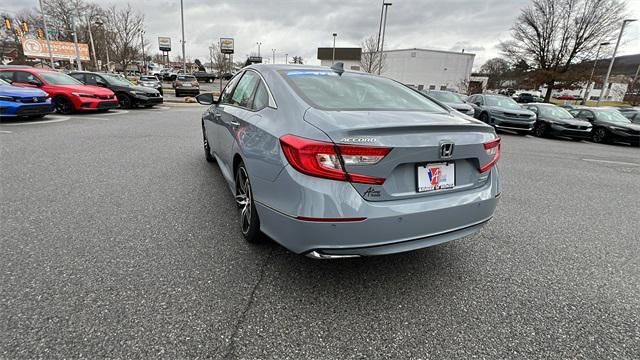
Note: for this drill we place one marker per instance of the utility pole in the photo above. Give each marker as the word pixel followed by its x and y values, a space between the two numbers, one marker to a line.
pixel 286 58
pixel 274 55
pixel 333 56
pixel 93 46
pixel 586 93
pixel 605 85
pixel 46 35
pixel 75 40
pixel 384 29
pixel 184 57
pixel 144 61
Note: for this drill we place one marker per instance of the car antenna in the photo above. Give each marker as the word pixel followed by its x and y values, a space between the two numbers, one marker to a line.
pixel 338 67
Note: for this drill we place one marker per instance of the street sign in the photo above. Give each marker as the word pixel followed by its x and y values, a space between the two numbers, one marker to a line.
pixel 255 59
pixel 226 45
pixel 164 43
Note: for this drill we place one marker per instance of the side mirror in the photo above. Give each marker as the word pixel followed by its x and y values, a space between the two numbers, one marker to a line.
pixel 477 103
pixel 206 99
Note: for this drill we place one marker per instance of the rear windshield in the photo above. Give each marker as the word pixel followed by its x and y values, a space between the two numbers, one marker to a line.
pixel 446 96
pixel 186 78
pixel 56 78
pixel 326 90
pixel 554 112
pixel 502 101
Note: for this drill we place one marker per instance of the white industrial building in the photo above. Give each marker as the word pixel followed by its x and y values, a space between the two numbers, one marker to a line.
pixel 422 68
pixel 429 69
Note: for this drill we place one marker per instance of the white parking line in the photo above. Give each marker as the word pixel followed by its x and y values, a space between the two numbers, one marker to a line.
pixel 116 112
pixel 612 162
pixel 6 132
pixel 54 120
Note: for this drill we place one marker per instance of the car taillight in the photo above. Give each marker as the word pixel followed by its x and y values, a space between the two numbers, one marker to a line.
pixel 492 148
pixel 325 159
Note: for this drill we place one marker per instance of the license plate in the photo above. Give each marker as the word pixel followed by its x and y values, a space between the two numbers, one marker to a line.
pixel 436 176
pixel 186 85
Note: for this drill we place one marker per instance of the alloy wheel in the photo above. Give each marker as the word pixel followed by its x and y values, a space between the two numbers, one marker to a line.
pixel 63 105
pixel 243 199
pixel 541 129
pixel 599 135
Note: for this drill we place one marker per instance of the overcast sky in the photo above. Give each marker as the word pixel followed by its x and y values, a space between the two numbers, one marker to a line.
pixel 300 27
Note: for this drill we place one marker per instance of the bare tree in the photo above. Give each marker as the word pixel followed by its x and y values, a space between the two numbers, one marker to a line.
pixel 221 63
pixel 371 60
pixel 297 60
pixel 495 69
pixel 552 35
pixel 124 31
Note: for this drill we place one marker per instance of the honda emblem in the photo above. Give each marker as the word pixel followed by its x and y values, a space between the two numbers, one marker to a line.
pixel 446 149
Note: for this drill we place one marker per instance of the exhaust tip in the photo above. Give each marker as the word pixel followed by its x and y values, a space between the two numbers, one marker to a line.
pixel 320 256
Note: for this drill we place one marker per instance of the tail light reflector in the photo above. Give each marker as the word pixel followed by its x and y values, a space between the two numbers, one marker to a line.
pixel 325 159
pixel 493 149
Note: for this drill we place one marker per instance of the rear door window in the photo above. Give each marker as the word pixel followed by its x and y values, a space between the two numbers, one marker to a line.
pixel 244 90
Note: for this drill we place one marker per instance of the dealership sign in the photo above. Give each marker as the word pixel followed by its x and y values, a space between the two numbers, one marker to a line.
pixel 59 49
pixel 165 43
pixel 226 45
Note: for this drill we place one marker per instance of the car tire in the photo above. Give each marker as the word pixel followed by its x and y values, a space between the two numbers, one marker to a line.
pixel 207 147
pixel 63 105
pixel 600 136
pixel 541 129
pixel 484 117
pixel 249 221
pixel 125 101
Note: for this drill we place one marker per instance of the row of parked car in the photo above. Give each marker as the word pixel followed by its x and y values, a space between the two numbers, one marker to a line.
pixel 599 124
pixel 31 92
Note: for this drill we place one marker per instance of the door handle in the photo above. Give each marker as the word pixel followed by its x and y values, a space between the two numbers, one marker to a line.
pixel 216 115
pixel 234 123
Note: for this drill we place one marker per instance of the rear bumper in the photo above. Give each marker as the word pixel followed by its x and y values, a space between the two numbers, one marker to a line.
pixel 568 132
pixel 11 109
pixel 390 226
pixel 188 90
pixel 512 124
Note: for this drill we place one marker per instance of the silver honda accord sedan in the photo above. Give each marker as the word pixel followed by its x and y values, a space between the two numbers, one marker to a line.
pixel 332 163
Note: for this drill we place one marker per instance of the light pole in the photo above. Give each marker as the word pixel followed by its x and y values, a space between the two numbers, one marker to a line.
pixel 333 56
pixel 93 46
pixel 595 63
pixel 605 84
pixel 286 58
pixel 75 39
pixel 258 43
pixel 274 55
pixel 144 61
pixel 184 58
pixel 46 35
pixel 384 30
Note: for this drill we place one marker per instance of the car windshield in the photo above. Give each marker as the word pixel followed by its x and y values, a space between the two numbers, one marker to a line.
pixel 554 112
pixel 325 89
pixel 186 78
pixel 612 116
pixel 56 78
pixel 446 96
pixel 116 80
pixel 502 101
pixel 2 82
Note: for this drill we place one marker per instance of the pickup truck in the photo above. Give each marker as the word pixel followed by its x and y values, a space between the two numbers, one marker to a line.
pixel 204 76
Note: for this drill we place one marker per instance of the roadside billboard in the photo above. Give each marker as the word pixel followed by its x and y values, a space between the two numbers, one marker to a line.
pixel 226 45
pixel 59 49
pixel 164 43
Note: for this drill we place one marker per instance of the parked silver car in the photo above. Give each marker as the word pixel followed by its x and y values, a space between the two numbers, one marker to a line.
pixel 331 163
pixel 451 99
pixel 503 113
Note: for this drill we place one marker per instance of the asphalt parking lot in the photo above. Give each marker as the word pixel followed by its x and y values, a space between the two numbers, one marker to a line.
pixel 118 240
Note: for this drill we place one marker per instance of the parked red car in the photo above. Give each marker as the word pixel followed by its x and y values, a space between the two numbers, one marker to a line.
pixel 67 93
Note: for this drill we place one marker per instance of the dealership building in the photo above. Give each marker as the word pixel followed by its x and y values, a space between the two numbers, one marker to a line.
pixel 422 68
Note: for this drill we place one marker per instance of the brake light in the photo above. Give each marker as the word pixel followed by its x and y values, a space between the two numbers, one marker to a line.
pixel 325 159
pixel 493 149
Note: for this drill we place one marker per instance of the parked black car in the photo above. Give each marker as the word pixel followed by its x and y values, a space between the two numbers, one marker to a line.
pixel 528 98
pixel 555 121
pixel 151 82
pixel 609 125
pixel 632 114
pixel 204 76
pixel 128 94
pixel 451 99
